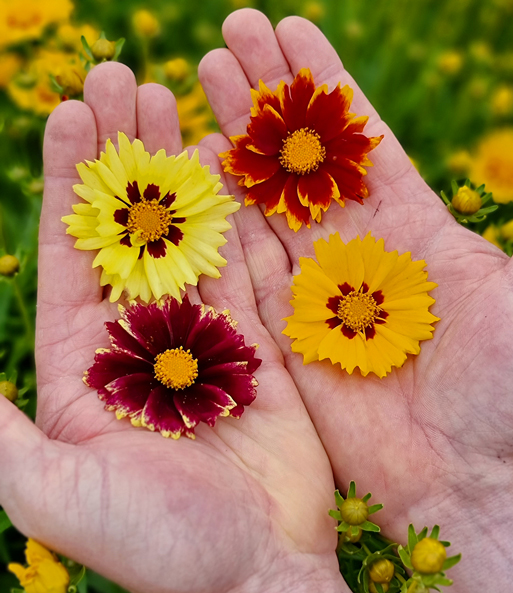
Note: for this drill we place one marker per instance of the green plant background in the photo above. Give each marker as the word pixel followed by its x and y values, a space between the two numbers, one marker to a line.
pixel 396 51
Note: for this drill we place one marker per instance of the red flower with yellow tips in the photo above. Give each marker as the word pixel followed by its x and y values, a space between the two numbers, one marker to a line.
pixel 303 148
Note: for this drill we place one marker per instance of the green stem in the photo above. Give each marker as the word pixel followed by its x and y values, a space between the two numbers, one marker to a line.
pixel 3 244
pixel 23 309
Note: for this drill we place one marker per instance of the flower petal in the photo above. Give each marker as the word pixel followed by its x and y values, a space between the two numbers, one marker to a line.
pixel 160 413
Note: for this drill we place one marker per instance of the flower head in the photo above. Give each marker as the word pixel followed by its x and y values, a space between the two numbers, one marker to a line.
pixel 360 306
pixel 302 150
pixel 492 164
pixel 171 366
pixel 44 573
pixel 9 265
pixel 428 556
pixel 157 221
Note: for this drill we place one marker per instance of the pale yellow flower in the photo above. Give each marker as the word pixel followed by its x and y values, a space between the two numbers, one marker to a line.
pixel 44 573
pixel 21 21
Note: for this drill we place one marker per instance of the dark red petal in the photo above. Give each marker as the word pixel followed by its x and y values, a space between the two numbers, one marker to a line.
pixel 112 364
pixel 296 100
pixel 256 167
pixel 237 411
pixel 241 387
pixel 365 287
pixel 126 241
pixel 345 288
pixel 160 411
pixel 267 131
pixel 354 148
pixel 269 192
pixel 350 183
pixel 266 97
pixel 133 193
pixel 168 199
pixel 198 403
pixel 121 216
pixel 299 212
pixel 149 326
pixel 181 320
pixel 378 297
pixel 333 303
pixel 327 114
pixel 174 235
pixel 157 249
pixel 122 340
pixel 348 333
pixel 317 188
pixel 333 322
pixel 370 332
pixel 152 192
pixel 178 219
pixel 129 393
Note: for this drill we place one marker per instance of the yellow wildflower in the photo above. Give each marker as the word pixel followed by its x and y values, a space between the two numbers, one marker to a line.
pixel 69 37
pixel 177 69
pixel 497 234
pixel 502 100
pixel 44 573
pixel 492 164
pixel 459 162
pixel 145 23
pixel 9 64
pixel 27 20
pixel 314 11
pixel 450 62
pixel 195 115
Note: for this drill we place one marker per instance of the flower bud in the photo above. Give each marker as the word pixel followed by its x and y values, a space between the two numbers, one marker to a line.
pixel 103 49
pixel 354 511
pixel 8 390
pixel 381 571
pixel 9 265
pixel 145 24
pixel 349 537
pixel 372 587
pixel 467 201
pixel 428 556
pixel 72 81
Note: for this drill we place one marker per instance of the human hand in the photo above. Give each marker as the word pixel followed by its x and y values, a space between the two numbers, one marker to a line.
pixel 244 507
pixel 433 440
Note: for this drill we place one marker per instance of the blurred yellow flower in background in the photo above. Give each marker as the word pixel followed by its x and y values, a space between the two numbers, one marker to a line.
pixel 44 573
pixel 502 100
pixel 450 62
pixel 177 69
pixel 195 115
pixel 313 11
pixel 145 24
pixel 20 21
pixel 68 36
pixel 495 234
pixel 33 90
pixel 492 164
pixel 9 65
pixel 459 162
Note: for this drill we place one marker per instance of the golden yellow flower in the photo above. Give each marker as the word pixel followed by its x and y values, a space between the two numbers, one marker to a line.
pixel 450 62
pixel 195 115
pixel 44 573
pixel 498 234
pixel 156 221
pixel 21 21
pixel 360 306
pixel 9 64
pixel 177 69
pixel 33 90
pixel 459 162
pixel 492 164
pixel 502 100
pixel 69 37
pixel 145 24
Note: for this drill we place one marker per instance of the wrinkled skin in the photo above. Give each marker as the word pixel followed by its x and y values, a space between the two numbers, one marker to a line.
pixel 244 507
pixel 433 441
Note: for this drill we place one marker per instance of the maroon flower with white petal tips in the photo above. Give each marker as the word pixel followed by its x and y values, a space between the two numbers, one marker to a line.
pixel 171 366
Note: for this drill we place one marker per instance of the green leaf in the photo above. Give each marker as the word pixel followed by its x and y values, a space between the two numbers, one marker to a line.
pixel 454 187
pixel 412 538
pixel 445 198
pixel 450 562
pixel 118 47
pixel 335 514
pixel 435 532
pixel 366 497
pixel 422 534
pixel 343 526
pixel 375 508
pixel 5 522
pixel 338 498
pixel 87 49
pixel 55 86
pixel 405 557
pixel 352 490
pixel 369 526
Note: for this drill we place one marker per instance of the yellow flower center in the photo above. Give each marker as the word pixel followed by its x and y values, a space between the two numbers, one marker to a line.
pixel 358 310
pixel 176 368
pixel 302 151
pixel 150 219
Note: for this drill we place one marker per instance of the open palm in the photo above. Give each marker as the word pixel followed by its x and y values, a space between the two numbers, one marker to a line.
pixel 434 439
pixel 241 508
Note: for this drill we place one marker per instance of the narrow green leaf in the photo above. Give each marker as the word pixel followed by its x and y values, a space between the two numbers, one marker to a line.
pixel 335 514
pixel 375 508
pixel 454 187
pixel 422 534
pixel 352 490
pixel 451 561
pixel 369 526
pixel 435 532
pixel 405 557
pixel 5 522
pixel 445 198
pixel 412 538
pixel 338 498
pixel 87 49
pixel 366 497
pixel 119 46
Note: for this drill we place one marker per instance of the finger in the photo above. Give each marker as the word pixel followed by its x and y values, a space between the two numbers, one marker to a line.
pixel 249 35
pixel 66 277
pixel 157 119
pixel 110 90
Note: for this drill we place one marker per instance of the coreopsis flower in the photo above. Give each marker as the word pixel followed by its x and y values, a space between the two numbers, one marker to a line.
pixel 352 514
pixel 10 64
pixel 428 556
pixel 21 21
pixel 302 150
pixel 492 164
pixel 44 573
pixel 171 366
pixel 156 221
pixel 360 306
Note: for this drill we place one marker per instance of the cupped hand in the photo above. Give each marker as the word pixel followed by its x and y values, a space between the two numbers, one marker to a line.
pixel 244 507
pixel 433 440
